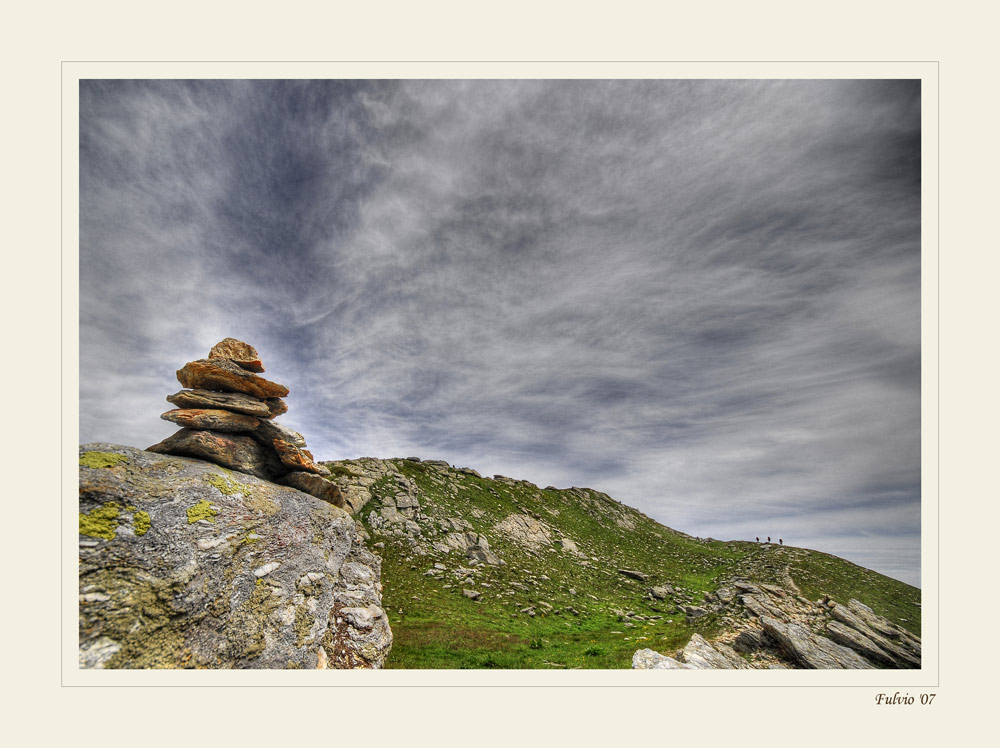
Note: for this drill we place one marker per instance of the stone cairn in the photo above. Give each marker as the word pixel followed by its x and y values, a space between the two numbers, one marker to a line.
pixel 227 413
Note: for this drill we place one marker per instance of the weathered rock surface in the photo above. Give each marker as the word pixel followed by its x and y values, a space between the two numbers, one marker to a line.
pixel 316 486
pixel 633 574
pixel 296 458
pixel 221 374
pixel 183 565
pixel 810 650
pixel 233 451
pixel 648 659
pixel 704 656
pixel 267 431
pixel 239 353
pixel 213 420
pixel 661 592
pixel 231 401
pixel 526 530
pixel 276 406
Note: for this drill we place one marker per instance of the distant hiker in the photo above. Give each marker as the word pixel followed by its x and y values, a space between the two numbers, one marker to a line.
pixel 780 541
pixel 758 538
pixel 768 538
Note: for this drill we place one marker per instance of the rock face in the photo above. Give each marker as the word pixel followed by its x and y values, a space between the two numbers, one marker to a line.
pixel 186 565
pixel 315 486
pixel 526 530
pixel 228 415
pixel 775 627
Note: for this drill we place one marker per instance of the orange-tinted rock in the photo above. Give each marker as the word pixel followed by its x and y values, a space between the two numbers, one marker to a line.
pixel 276 406
pixel 267 431
pixel 233 451
pixel 222 374
pixel 231 401
pixel 315 486
pixel 238 352
pixel 297 459
pixel 213 420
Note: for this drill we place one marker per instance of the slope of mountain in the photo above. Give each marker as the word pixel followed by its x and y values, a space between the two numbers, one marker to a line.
pixel 498 573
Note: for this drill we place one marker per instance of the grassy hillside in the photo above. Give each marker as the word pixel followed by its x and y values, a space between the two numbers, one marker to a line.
pixel 563 604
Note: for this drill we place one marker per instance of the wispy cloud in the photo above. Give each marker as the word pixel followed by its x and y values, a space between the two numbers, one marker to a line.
pixel 701 297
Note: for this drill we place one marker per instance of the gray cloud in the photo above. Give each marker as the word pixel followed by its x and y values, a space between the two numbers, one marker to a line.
pixel 701 297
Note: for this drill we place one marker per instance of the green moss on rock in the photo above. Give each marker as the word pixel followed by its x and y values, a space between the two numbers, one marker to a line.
pixel 100 522
pixel 201 510
pixel 143 620
pixel 101 459
pixel 225 485
pixel 141 523
pixel 303 625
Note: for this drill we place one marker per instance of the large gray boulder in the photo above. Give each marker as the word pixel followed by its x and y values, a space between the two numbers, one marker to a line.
pixel 810 650
pixel 698 654
pixel 184 564
pixel 718 656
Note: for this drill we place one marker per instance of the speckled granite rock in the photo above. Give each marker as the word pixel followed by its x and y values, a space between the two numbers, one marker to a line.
pixel 184 564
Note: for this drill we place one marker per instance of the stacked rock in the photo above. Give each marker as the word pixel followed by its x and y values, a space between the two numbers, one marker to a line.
pixel 227 413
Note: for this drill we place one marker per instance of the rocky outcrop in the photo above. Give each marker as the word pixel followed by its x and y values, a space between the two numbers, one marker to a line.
pixel 526 530
pixel 776 627
pixel 184 564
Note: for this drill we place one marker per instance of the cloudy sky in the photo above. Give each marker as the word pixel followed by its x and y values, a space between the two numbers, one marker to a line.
pixel 701 297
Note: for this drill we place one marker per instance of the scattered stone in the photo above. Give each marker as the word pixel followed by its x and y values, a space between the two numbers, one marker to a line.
pixel 471 594
pixel 632 574
pixel 662 592
pixel 568 545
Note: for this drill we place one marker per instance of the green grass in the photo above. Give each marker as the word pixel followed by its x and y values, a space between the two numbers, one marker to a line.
pixel 435 626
